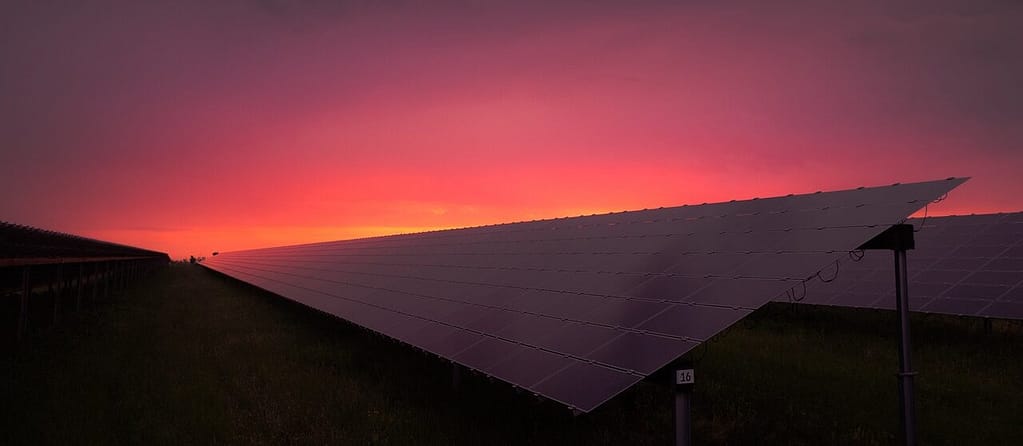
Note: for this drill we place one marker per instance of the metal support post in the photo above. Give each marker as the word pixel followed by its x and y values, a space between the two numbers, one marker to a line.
pixel 907 399
pixel 456 375
pixel 106 281
pixel 683 381
pixel 899 239
pixel 78 293
pixel 94 282
pixel 26 292
pixel 57 293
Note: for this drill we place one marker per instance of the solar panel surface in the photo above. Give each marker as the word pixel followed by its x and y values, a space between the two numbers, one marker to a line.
pixel 579 309
pixel 962 265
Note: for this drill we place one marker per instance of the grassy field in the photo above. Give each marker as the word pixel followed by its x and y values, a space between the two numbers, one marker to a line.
pixel 191 357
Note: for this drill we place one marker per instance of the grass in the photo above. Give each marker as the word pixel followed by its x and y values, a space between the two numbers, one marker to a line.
pixel 188 356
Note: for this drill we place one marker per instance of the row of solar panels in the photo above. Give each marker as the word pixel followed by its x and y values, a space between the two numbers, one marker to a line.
pixel 965 265
pixel 962 265
pixel 579 309
pixel 26 242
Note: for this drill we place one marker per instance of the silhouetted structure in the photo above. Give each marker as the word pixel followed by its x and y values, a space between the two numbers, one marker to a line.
pixel 60 269
pixel 579 309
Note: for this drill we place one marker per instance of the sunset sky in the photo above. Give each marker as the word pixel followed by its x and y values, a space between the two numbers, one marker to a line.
pixel 189 127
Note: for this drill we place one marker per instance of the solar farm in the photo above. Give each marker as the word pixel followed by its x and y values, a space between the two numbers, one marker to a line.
pixel 718 323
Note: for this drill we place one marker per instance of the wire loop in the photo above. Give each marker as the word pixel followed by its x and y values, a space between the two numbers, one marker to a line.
pixel 856 255
pixel 833 277
pixel 791 293
pixel 923 220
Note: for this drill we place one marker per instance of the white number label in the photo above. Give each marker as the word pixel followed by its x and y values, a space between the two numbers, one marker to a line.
pixel 684 376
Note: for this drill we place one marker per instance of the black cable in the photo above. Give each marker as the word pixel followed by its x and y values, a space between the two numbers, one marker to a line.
pixel 856 255
pixel 832 279
pixel 791 293
pixel 923 221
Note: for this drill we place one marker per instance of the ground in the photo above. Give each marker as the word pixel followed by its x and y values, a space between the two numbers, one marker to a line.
pixel 187 356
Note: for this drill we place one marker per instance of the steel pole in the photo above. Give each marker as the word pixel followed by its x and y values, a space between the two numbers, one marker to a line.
pixel 78 283
pixel 682 381
pixel 106 280
pixel 58 293
pixel 94 282
pixel 683 419
pixel 456 376
pixel 26 293
pixel 907 399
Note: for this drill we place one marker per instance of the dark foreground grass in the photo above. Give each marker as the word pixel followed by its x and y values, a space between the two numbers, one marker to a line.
pixel 190 357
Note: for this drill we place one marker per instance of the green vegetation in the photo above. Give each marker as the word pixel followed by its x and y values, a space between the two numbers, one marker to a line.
pixel 190 357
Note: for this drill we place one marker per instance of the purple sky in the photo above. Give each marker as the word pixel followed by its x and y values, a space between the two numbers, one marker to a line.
pixel 197 126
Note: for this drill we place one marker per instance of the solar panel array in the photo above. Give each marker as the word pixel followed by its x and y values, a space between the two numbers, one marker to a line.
pixel 22 243
pixel 962 265
pixel 579 309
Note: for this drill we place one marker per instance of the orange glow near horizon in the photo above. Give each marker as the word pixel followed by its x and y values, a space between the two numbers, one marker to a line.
pixel 202 241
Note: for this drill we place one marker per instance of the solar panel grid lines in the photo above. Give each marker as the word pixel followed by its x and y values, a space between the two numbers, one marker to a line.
pixel 963 265
pixel 536 225
pixel 459 352
pixel 456 353
pixel 519 290
pixel 653 280
pixel 479 265
pixel 598 302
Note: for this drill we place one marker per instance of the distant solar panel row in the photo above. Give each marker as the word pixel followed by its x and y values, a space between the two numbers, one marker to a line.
pixel 18 243
pixel 962 265
pixel 579 309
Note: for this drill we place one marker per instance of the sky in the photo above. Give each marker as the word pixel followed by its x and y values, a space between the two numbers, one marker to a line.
pixel 192 126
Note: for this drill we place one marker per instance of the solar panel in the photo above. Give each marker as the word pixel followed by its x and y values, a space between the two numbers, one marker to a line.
pixel 579 309
pixel 963 265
